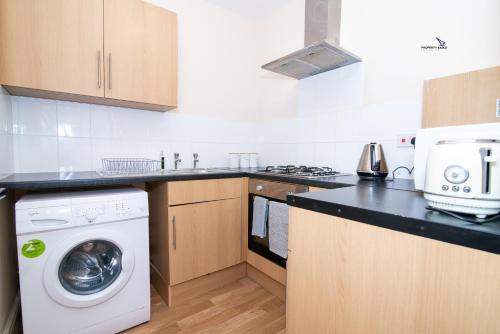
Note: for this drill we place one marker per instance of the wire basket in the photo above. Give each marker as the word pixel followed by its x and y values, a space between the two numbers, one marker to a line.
pixel 129 166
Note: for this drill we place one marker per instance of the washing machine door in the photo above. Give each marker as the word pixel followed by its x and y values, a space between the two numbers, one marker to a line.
pixel 89 268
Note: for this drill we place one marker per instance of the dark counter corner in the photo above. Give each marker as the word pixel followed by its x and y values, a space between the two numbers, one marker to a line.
pixel 403 211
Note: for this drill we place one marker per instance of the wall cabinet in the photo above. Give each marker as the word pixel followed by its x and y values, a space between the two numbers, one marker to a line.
pixel 461 99
pixel 348 277
pixel 140 44
pixel 54 45
pixel 115 52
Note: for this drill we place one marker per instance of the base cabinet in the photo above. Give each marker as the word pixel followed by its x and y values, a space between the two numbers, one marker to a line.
pixel 348 277
pixel 195 230
pixel 204 238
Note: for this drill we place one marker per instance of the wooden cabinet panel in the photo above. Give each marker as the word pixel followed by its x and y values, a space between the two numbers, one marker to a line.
pixel 267 267
pixel 52 45
pixel 183 192
pixel 316 189
pixel 140 52
pixel 203 238
pixel 466 98
pixel 349 277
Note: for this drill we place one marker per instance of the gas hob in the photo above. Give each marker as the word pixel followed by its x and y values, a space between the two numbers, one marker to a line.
pixel 301 171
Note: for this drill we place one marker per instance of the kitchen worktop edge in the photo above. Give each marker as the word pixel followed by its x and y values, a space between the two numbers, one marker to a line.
pixel 402 211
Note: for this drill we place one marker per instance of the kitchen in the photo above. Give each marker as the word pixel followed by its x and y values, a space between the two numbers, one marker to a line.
pixel 64 107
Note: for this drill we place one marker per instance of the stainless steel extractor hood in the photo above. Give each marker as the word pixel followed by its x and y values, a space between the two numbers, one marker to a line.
pixel 322 39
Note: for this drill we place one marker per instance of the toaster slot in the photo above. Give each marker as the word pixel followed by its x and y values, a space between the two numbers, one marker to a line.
pixel 485 170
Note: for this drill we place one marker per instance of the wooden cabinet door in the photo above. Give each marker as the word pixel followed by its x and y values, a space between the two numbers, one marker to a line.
pixel 348 277
pixel 203 238
pixel 141 52
pixel 52 45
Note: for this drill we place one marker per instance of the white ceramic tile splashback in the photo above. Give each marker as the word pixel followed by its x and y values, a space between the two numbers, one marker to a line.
pixel 65 136
pixel 35 154
pixel 75 154
pixel 101 121
pixel 6 137
pixel 76 136
pixel 34 116
pixel 73 119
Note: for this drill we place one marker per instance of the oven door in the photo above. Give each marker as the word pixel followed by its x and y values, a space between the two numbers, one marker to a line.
pixel 273 191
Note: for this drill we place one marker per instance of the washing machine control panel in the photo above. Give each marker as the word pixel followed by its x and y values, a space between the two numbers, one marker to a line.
pixel 89 212
pixel 122 209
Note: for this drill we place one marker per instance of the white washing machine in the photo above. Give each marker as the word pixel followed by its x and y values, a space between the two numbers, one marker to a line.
pixel 83 261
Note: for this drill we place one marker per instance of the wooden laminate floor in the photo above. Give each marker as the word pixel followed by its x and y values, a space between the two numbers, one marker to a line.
pixel 240 307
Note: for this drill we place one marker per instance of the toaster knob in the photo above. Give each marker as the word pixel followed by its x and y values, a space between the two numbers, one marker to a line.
pixel 466 189
pixel 455 188
pixel 456 174
pixel 445 187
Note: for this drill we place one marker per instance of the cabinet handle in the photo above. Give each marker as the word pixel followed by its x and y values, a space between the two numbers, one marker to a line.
pixel 109 69
pixel 174 237
pixel 99 68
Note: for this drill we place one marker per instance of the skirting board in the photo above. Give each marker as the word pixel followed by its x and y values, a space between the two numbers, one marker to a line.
pixel 274 287
pixel 10 323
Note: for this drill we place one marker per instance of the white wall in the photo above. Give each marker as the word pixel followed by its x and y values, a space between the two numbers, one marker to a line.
pixel 66 136
pixel 8 277
pixel 6 147
pixel 216 112
pixel 326 119
pixel 227 103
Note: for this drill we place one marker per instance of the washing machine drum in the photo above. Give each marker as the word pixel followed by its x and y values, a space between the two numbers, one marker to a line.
pixel 90 267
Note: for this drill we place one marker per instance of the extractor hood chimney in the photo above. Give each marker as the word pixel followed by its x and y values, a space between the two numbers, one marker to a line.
pixel 322 39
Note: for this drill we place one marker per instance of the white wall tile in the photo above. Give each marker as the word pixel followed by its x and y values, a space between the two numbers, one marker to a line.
pixel 398 156
pixel 35 154
pixel 75 154
pixel 73 119
pixel 324 155
pixel 130 123
pixel 35 116
pixel 6 137
pixel 6 154
pixel 5 113
pixel 101 121
pixel 347 156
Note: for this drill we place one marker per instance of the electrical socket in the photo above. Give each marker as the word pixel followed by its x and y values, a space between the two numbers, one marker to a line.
pixel 404 140
pixel 498 107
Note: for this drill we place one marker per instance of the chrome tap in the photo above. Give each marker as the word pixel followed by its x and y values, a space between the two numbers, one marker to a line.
pixel 176 160
pixel 195 159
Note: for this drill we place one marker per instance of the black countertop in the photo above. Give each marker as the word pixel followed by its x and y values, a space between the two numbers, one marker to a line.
pixel 392 204
pixel 403 211
pixel 55 180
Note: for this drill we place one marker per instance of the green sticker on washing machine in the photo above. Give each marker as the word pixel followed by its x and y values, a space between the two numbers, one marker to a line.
pixel 33 248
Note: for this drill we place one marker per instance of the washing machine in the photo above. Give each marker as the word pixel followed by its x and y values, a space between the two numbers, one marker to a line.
pixel 83 261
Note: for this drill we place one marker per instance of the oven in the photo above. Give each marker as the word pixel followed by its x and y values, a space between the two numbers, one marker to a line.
pixel 273 191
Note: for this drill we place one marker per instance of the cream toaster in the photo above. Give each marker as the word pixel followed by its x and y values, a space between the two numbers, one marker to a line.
pixel 464 176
